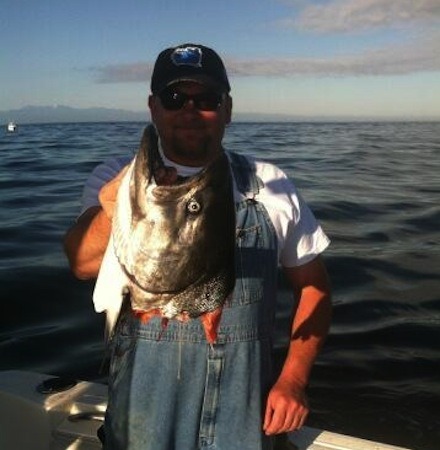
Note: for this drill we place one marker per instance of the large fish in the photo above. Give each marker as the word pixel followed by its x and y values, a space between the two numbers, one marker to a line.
pixel 174 243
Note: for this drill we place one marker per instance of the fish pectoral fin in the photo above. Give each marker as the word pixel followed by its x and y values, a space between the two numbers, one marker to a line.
pixel 210 321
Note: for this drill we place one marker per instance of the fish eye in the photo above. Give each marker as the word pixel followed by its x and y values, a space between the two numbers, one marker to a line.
pixel 193 206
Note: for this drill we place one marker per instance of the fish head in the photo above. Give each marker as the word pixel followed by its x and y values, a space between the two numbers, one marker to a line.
pixel 181 235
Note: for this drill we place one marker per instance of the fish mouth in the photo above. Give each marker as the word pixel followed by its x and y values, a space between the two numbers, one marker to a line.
pixel 150 291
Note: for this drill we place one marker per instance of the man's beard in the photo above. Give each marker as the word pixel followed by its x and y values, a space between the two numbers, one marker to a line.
pixel 195 151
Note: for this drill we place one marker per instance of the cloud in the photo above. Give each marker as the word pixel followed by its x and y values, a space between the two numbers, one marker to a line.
pixel 123 73
pixel 358 15
pixel 419 56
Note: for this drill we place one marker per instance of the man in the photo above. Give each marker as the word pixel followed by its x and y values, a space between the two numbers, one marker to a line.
pixel 179 392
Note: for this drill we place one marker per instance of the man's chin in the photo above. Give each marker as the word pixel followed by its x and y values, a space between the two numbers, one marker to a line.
pixel 192 150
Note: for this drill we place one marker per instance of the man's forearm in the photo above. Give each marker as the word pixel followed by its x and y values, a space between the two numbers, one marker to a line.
pixel 86 241
pixel 287 406
pixel 309 331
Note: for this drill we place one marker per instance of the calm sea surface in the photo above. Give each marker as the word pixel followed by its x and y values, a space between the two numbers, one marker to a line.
pixel 375 187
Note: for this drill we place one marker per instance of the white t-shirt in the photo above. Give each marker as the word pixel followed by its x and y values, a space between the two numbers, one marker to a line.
pixel 300 237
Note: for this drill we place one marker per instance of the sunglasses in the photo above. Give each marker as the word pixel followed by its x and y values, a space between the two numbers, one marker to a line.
pixel 205 101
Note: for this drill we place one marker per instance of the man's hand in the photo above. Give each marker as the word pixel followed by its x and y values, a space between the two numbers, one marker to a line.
pixel 85 242
pixel 286 408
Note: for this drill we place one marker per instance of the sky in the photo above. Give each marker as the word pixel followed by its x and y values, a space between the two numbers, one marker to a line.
pixel 307 58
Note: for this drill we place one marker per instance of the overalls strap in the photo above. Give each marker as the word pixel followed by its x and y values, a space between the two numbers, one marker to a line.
pixel 248 183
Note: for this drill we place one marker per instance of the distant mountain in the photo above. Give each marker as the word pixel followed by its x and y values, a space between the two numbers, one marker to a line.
pixel 59 114
pixel 63 114
pixel 67 114
pixel 54 114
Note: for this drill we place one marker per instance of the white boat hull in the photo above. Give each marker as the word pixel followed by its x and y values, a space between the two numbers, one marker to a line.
pixel 70 419
pixel 11 127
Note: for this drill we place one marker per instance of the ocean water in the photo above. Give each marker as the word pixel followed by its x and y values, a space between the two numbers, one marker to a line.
pixel 375 188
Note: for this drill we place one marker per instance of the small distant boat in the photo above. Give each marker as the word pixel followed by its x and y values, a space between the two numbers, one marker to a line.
pixel 11 127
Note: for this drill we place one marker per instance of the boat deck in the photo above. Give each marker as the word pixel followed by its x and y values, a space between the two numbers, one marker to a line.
pixel 39 415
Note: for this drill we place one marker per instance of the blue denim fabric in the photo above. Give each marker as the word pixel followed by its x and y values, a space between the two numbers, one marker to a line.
pixel 170 390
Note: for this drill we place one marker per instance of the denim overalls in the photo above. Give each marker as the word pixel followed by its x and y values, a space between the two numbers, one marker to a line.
pixel 169 389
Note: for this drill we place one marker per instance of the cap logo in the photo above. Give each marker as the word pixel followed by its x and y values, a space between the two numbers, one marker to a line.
pixel 187 56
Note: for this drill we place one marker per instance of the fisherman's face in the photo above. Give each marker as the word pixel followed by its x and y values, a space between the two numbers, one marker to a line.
pixel 190 135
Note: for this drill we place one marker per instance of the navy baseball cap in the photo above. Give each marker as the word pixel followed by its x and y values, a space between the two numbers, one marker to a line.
pixel 189 62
